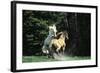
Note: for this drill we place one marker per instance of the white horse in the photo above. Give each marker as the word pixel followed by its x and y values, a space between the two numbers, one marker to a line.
pixel 47 41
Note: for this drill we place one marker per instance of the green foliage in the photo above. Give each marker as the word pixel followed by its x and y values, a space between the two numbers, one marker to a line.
pixel 35 26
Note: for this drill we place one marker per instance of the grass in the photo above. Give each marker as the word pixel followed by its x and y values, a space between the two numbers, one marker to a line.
pixel 36 59
pixel 27 59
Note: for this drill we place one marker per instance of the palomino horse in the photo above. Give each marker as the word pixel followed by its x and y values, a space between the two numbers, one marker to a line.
pixel 58 43
pixel 47 41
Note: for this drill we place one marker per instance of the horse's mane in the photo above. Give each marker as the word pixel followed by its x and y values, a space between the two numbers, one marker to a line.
pixel 58 35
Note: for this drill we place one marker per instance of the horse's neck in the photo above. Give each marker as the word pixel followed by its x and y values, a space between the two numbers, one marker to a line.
pixel 62 38
pixel 51 34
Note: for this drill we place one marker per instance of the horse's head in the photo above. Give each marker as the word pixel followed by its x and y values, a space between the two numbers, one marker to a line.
pixel 65 33
pixel 52 30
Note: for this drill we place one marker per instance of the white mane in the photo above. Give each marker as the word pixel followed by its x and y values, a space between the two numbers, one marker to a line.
pixel 52 30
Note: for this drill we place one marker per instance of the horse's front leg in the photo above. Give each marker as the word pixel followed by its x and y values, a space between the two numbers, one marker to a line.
pixel 63 50
pixel 57 50
pixel 51 54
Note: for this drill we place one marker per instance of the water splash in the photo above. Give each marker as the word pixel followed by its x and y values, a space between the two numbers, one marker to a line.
pixel 60 57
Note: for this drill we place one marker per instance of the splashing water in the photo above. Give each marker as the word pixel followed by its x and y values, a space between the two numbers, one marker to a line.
pixel 60 57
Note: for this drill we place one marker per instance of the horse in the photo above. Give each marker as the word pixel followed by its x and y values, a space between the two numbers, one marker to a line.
pixel 47 41
pixel 52 30
pixel 58 43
